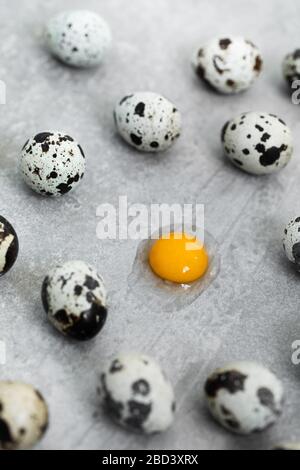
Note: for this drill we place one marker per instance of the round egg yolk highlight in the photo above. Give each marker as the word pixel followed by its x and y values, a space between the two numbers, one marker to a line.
pixel 180 258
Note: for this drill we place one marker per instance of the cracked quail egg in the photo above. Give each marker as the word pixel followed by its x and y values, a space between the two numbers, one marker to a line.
pixel 79 38
pixel 258 143
pixel 52 163
pixel 244 397
pixel 23 416
pixel 74 298
pixel 229 64
pixel 147 121
pixel 136 393
pixel 173 267
pixel 9 246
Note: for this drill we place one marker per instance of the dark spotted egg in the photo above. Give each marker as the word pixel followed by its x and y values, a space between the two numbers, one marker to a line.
pixel 23 416
pixel 79 38
pixel 148 121
pixel 291 241
pixel 291 67
pixel 258 143
pixel 244 397
pixel 74 298
pixel 9 246
pixel 136 393
pixel 229 64
pixel 52 163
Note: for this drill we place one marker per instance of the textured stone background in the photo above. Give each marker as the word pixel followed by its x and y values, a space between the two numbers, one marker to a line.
pixel 252 309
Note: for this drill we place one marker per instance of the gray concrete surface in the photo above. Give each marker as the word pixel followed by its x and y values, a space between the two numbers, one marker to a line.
pixel 250 312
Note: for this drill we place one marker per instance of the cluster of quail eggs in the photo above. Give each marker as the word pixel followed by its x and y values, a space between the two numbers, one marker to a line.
pixel 243 397
pixel 52 163
pixel 258 143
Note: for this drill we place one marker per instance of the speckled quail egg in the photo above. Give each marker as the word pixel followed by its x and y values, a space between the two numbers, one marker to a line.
pixel 9 246
pixel 258 143
pixel 287 446
pixel 148 121
pixel 79 38
pixel 291 241
pixel 23 416
pixel 52 163
pixel 291 67
pixel 229 64
pixel 74 298
pixel 244 397
pixel 136 393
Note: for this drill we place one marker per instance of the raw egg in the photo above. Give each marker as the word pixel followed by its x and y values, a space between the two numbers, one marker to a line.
pixel 178 257
pixel 172 270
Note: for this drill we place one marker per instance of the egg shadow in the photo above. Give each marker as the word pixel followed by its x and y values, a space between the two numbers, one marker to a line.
pixel 284 90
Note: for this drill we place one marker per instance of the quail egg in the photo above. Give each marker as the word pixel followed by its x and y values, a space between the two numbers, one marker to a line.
pixel 74 298
pixel 52 163
pixel 291 241
pixel 244 397
pixel 229 64
pixel 23 416
pixel 148 121
pixel 136 393
pixel 258 143
pixel 287 446
pixel 291 67
pixel 79 38
pixel 9 246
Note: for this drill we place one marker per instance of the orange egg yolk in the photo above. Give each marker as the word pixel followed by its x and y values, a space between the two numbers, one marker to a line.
pixel 179 258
